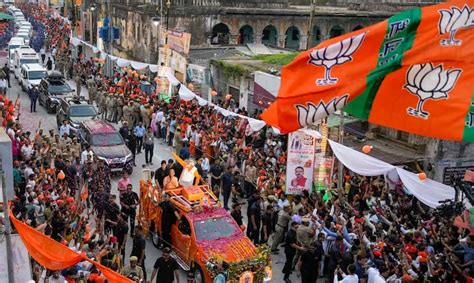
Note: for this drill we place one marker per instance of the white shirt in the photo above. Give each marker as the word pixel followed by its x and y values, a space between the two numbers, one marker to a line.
pixel 27 151
pixel 159 116
pixel 347 279
pixel 205 164
pixel 59 280
pixel 84 155
pixel 374 276
pixel 64 129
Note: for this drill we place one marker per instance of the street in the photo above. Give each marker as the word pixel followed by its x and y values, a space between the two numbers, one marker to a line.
pixel 31 121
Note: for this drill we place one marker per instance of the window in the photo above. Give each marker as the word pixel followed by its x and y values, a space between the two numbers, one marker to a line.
pixel 29 61
pixel 184 226
pixel 82 111
pixel 215 228
pixel 59 88
pixel 37 75
pixel 107 139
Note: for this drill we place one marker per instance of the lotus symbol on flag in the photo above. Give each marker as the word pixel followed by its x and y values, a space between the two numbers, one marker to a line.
pixel 429 82
pixel 453 20
pixel 335 54
pixel 312 113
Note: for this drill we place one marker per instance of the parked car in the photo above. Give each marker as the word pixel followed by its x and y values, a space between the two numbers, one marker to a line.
pixel 52 88
pixel 76 110
pixel 107 144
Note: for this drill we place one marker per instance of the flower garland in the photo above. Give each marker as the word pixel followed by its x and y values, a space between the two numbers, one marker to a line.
pixel 256 264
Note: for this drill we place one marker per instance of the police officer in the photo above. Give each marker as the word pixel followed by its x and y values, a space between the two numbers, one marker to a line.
pixel 127 114
pixel 119 108
pixel 105 102
pixel 111 108
pixel 78 81
pixel 92 87
pixel 284 218
pixel 136 112
pixel 145 114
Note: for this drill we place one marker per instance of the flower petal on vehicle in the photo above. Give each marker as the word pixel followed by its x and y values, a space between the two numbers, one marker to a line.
pixel 302 115
pixel 332 51
pixel 452 78
pixel 356 42
pixel 431 80
pixel 444 21
pixel 439 95
pixel 412 72
pixel 425 69
pixel 454 17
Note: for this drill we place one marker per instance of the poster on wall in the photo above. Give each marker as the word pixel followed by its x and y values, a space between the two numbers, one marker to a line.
pixel 323 169
pixel 300 163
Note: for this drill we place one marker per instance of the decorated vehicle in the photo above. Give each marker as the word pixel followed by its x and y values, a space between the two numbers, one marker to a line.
pixel 205 234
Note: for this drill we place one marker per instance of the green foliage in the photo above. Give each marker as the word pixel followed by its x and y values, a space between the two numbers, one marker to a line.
pixel 230 70
pixel 277 59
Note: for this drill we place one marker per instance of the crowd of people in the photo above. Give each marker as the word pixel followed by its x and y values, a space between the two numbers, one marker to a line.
pixel 369 230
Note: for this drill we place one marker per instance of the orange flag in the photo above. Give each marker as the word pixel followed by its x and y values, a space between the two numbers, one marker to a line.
pixel 54 255
pixel 413 72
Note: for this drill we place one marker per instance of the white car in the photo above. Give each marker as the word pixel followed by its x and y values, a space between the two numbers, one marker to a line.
pixel 25 36
pixel 24 55
pixel 15 42
pixel 31 75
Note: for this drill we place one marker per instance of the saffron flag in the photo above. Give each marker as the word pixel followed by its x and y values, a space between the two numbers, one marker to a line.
pixel 413 72
pixel 54 255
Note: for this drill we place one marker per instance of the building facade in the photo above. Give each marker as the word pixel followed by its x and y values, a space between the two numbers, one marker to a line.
pixel 279 23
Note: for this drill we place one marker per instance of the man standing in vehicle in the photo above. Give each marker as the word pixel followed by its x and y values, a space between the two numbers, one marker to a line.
pixel 168 218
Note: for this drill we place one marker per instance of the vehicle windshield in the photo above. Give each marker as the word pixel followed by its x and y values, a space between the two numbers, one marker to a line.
pixel 59 88
pixel 13 47
pixel 107 139
pixel 29 61
pixel 82 111
pixel 37 75
pixel 215 228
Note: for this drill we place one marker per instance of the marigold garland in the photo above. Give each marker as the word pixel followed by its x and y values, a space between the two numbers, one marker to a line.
pixel 256 264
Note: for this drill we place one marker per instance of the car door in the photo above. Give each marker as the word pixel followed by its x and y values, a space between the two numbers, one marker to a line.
pixel 181 238
pixel 42 90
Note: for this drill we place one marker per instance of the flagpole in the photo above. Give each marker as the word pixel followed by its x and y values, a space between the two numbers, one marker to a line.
pixel 341 141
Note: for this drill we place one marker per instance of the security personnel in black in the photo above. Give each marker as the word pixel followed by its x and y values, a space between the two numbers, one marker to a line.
pixel 168 218
pixel 112 211
pixel 129 201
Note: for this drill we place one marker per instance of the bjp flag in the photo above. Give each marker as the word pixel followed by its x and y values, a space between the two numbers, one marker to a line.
pixel 413 72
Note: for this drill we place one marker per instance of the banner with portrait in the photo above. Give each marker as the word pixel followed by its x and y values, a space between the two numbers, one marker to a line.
pixel 300 163
pixel 323 169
